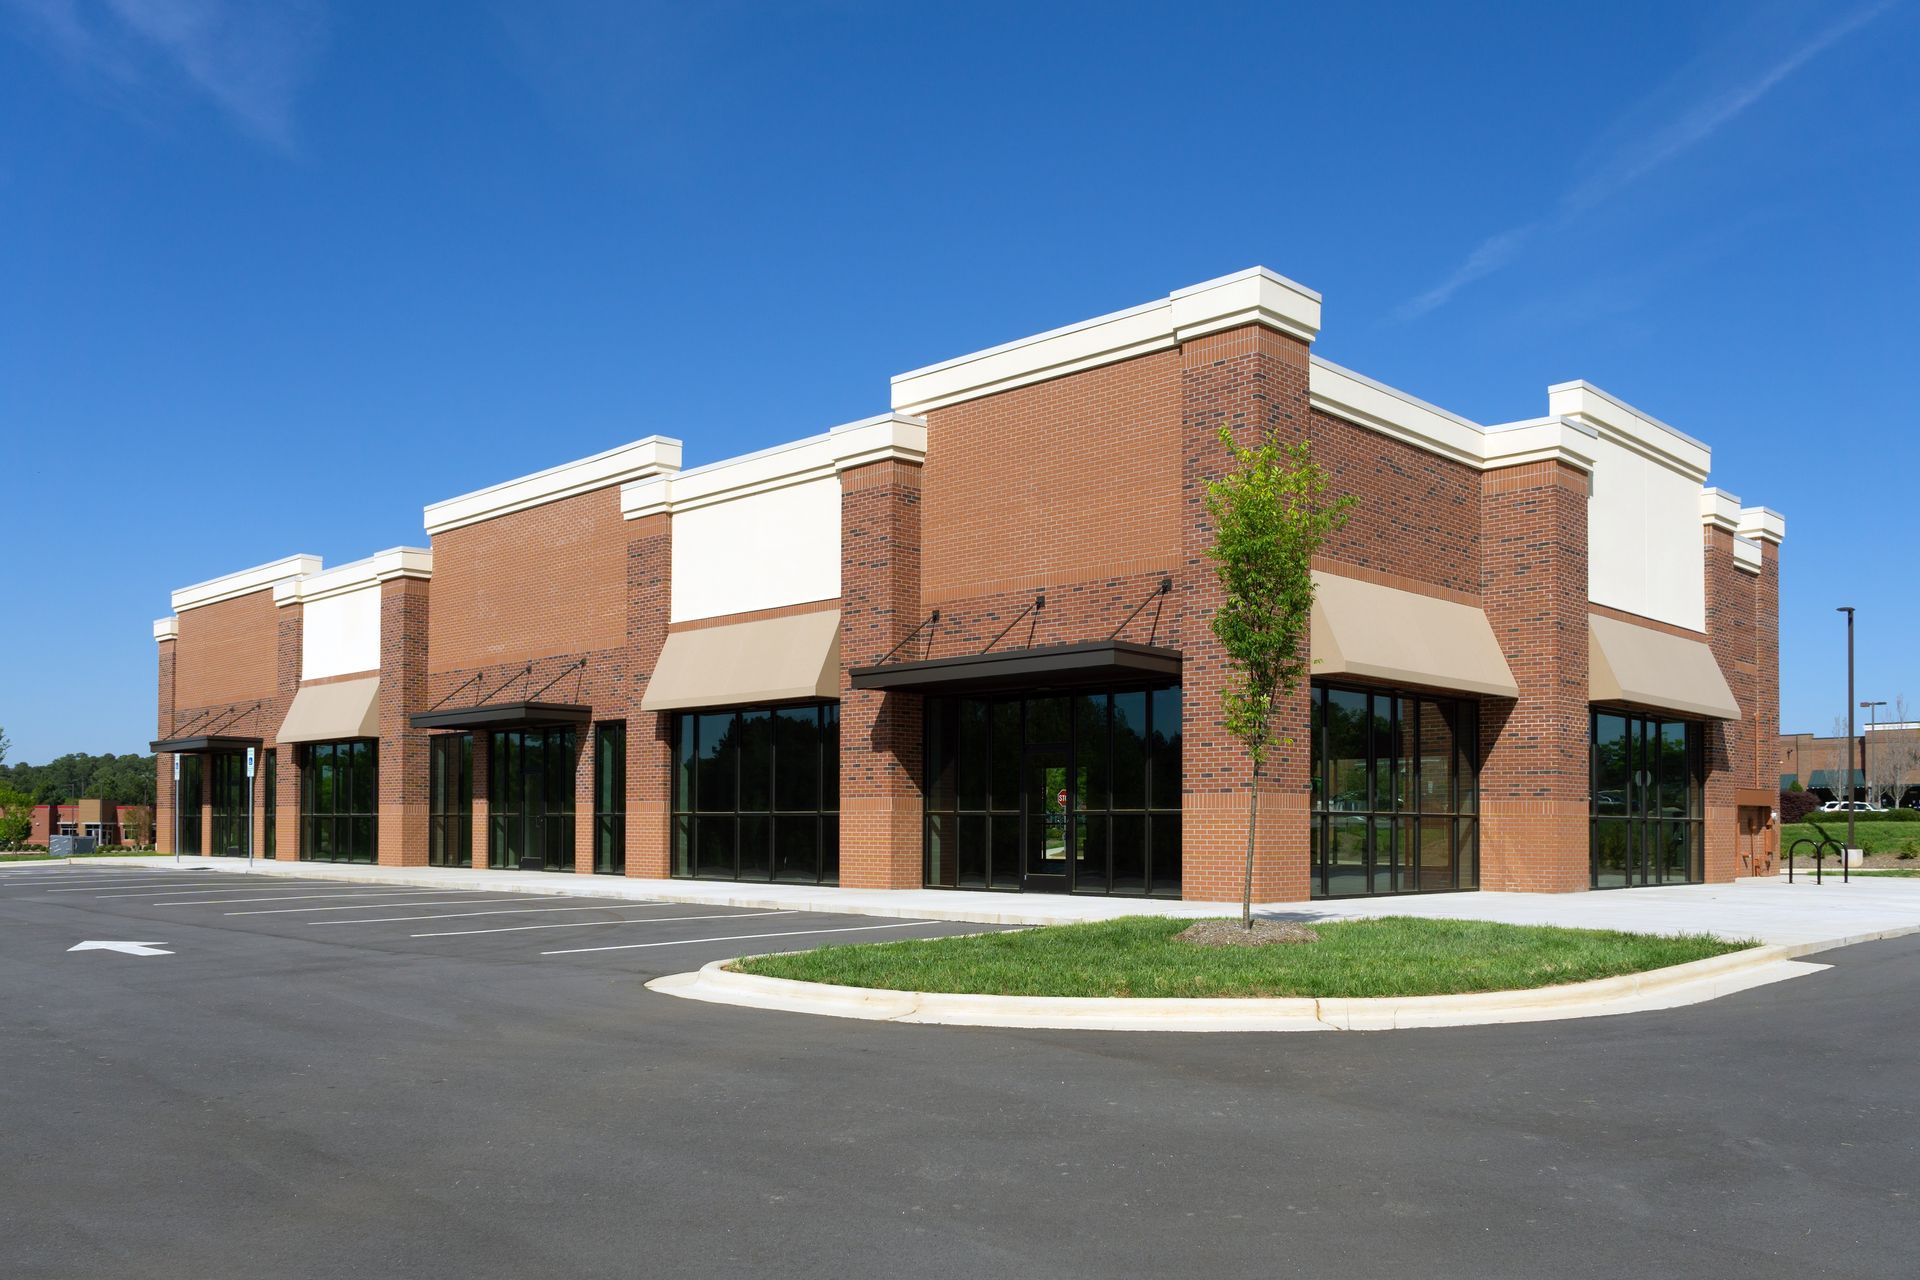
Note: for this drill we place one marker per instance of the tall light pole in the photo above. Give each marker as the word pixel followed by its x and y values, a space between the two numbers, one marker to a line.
pixel 1848 610
pixel 1872 719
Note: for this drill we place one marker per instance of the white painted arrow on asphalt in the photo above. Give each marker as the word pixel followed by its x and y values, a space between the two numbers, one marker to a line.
pixel 129 948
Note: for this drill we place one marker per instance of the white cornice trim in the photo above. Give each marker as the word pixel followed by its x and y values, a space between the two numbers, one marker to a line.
pixel 652 456
pixel 166 629
pixel 1361 400
pixel 1747 555
pixel 360 575
pixel 1719 509
pixel 889 436
pixel 244 581
pixel 1622 424
pixel 1763 524
pixel 1253 296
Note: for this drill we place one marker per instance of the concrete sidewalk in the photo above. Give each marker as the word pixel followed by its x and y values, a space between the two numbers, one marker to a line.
pixel 1769 910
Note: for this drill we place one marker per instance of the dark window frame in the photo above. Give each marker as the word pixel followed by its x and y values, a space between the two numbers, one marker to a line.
pixel 1649 816
pixel 450 800
pixel 1392 830
pixel 714 836
pixel 610 798
pixel 270 803
pixel 972 838
pixel 541 817
pixel 340 801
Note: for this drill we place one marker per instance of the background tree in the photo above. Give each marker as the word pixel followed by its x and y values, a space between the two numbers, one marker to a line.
pixel 16 817
pixel 1892 756
pixel 1837 752
pixel 1270 514
pixel 5 742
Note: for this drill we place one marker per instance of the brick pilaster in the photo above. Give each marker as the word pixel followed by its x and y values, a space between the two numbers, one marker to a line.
pixel 1256 380
pixel 1534 773
pixel 403 749
pixel 649 734
pixel 163 840
pixel 880 733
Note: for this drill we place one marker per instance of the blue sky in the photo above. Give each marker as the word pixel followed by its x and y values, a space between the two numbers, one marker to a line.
pixel 273 277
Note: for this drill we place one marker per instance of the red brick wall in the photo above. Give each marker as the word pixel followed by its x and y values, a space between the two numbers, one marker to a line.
pixel 404 613
pixel 649 734
pixel 548 581
pixel 1419 516
pixel 880 742
pixel 1256 380
pixel 163 840
pixel 1077 473
pixel 1743 616
pixel 227 677
pixel 226 652
pixel 1534 785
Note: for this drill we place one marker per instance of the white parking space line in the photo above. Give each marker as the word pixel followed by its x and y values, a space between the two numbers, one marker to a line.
pixel 239 895
pixel 295 897
pixel 613 904
pixel 738 937
pixel 128 884
pixel 589 924
pixel 359 906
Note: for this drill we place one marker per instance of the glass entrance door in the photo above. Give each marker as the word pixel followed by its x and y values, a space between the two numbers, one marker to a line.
pixel 530 800
pixel 1051 825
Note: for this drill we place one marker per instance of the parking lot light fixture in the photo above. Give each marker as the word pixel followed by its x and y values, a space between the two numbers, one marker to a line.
pixel 1848 610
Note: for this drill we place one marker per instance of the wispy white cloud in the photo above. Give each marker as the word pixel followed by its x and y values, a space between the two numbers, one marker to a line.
pixel 251 60
pixel 1491 254
pixel 1627 163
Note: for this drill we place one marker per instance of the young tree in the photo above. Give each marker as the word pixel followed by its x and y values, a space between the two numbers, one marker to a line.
pixel 16 817
pixel 1270 514
pixel 5 744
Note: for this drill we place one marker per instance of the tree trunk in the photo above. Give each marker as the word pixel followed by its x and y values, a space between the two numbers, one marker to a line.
pixel 1253 819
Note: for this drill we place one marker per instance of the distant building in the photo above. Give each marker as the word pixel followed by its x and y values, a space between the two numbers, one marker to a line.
pixel 1885 764
pixel 107 822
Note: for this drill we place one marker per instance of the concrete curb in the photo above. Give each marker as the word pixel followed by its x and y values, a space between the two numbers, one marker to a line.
pixel 1667 988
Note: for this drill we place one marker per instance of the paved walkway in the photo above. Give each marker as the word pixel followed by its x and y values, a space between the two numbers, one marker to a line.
pixel 1769 910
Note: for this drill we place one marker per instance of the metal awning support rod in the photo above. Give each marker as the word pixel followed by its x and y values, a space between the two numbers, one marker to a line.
pixel 1039 603
pixel 231 715
pixel 179 730
pixel 524 671
pixel 926 626
pixel 571 666
pixel 1159 593
pixel 457 688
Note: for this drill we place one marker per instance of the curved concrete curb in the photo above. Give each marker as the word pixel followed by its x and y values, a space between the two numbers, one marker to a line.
pixel 1631 993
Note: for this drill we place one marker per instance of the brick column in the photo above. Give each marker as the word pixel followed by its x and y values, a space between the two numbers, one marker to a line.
pixel 1743 621
pixel 482 780
pixel 880 733
pixel 649 734
pixel 583 765
pixel 1256 380
pixel 290 622
pixel 403 748
pixel 1534 784
pixel 163 840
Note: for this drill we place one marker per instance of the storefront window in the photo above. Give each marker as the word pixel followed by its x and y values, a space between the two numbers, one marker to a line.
pixel 1061 793
pixel 450 800
pixel 227 783
pixel 186 803
pixel 1394 792
pixel 610 799
pixel 756 794
pixel 530 799
pixel 1647 801
pixel 339 802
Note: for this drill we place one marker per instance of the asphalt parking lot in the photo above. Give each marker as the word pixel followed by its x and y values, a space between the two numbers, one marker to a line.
pixel 325 1079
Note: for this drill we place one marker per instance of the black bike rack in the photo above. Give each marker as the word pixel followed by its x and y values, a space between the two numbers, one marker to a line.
pixel 1820 856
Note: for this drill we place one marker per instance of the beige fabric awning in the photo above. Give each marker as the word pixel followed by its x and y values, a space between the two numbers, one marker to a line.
pixel 1648 668
pixel 332 712
pixel 783 659
pixel 1381 633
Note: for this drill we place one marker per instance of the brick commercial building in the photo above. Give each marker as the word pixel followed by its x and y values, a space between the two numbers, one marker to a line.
pixel 965 644
pixel 1885 764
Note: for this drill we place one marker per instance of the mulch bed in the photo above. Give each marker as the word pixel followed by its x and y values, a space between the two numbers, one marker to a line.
pixel 1228 933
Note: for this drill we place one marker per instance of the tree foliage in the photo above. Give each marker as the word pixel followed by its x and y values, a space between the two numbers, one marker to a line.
pixel 1271 512
pixel 127 779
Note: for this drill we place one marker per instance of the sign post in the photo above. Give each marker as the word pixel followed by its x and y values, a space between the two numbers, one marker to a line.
pixel 176 809
pixel 250 751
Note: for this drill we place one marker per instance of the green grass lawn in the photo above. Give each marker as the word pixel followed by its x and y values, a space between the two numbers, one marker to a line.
pixel 1899 873
pixel 1874 837
pixel 1137 956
